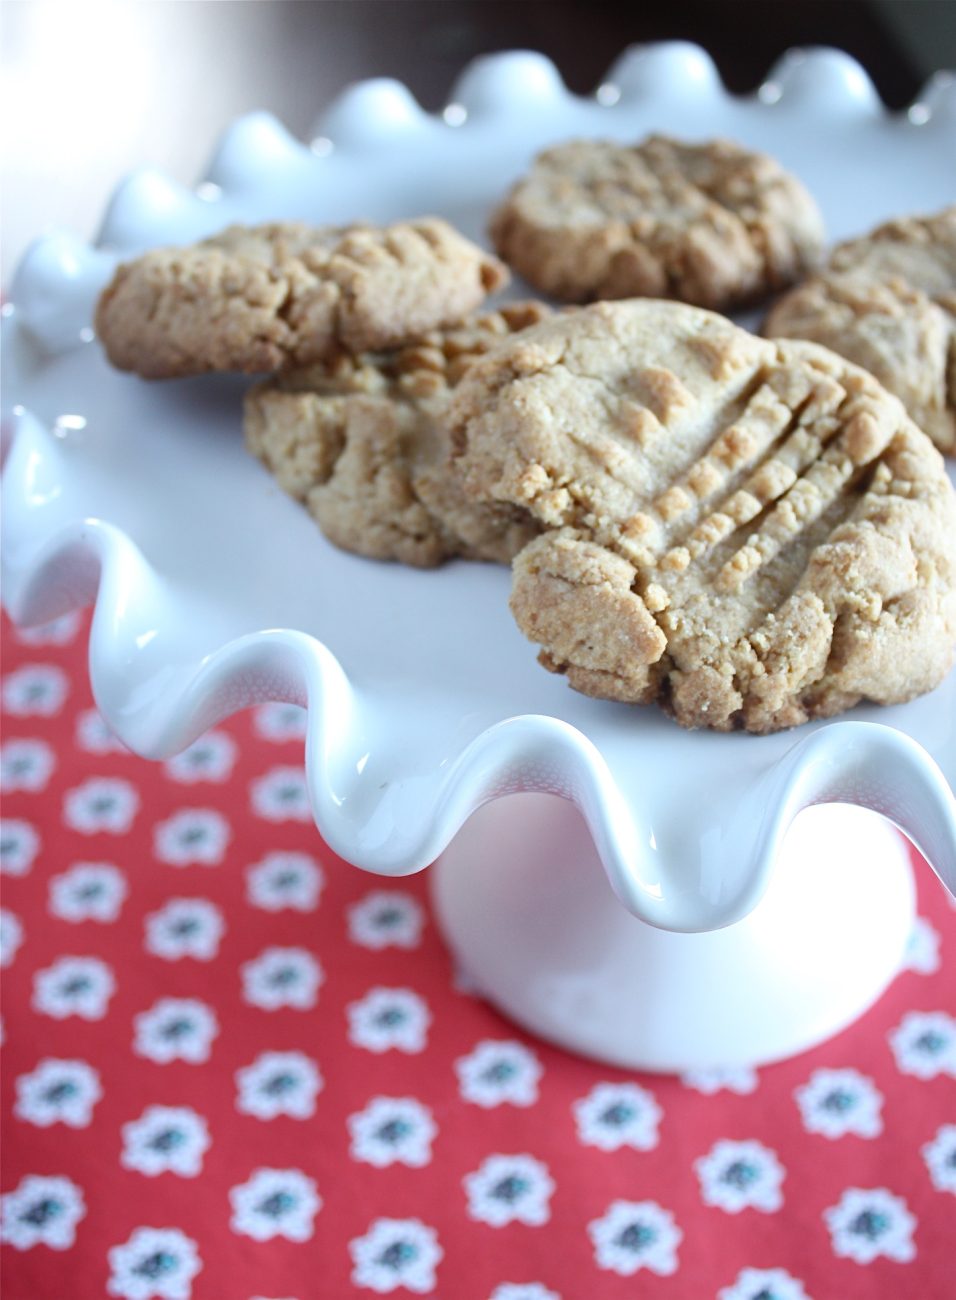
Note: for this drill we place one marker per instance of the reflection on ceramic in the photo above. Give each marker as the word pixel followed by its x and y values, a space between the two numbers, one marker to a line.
pixel 214 591
pixel 526 908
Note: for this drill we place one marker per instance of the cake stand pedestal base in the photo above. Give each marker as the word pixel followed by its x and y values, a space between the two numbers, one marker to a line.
pixel 528 912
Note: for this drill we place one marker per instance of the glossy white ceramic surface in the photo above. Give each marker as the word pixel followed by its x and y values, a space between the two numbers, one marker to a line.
pixel 214 591
pixel 526 908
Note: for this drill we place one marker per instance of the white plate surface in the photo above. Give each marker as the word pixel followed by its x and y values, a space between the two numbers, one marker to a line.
pixel 214 591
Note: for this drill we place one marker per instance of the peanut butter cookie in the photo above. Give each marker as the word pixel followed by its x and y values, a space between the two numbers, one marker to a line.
pixel 888 302
pixel 712 224
pixel 267 298
pixel 362 441
pixel 751 533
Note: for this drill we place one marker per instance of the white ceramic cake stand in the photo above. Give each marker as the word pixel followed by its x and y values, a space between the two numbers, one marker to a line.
pixel 214 591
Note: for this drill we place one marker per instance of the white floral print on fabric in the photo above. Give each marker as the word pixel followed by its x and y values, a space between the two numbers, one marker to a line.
pixel 736 1176
pixel 185 927
pixel 924 1044
pixel 280 722
pixel 74 986
pixel 396 1253
pixel 498 1071
pixel 19 846
pixel 869 1223
pixel 940 1157
pixel 523 1291
pixel 58 1092
pixel 154 1264
pixel 509 1189
pixel 764 1284
pixel 94 735
pixel 837 1102
pixel 25 765
pixel 632 1235
pixel 175 1029
pixel 275 1203
pixel 279 1083
pixel 192 836
pixel 11 936
pixel 101 804
pixel 922 948
pixel 35 691
pixel 165 1139
pixel 282 977
pixel 731 1078
pixel 389 1018
pixel 41 1211
pixel 386 918
pixel 88 891
pixel 285 880
pixel 392 1130
pixel 210 758
pixel 59 631
pixel 281 795
pixel 615 1115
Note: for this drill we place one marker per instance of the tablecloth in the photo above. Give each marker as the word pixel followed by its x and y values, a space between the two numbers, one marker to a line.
pixel 236 1067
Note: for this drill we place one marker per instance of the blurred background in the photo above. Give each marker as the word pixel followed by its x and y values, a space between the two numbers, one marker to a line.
pixel 94 88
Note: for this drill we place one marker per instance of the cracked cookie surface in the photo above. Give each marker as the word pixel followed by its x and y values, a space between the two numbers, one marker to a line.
pixel 362 442
pixel 271 297
pixel 751 533
pixel 711 224
pixel 887 302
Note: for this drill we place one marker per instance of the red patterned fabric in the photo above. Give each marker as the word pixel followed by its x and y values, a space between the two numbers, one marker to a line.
pixel 235 1066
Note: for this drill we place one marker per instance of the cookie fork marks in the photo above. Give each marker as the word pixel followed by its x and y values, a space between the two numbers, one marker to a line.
pixel 791 538
pixel 887 302
pixel 266 298
pixel 362 441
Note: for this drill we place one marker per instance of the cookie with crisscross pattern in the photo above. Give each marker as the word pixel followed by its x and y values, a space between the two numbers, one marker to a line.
pixel 711 223
pixel 273 297
pixel 362 442
pixel 887 301
pixel 753 533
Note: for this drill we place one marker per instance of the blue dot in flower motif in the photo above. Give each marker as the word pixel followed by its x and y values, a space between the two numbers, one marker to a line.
pixel 42 1211
pixel 176 1028
pixel 510 1189
pixel 498 1071
pixel 932 1041
pixel 167 1139
pixel 397 1254
pixel 277 1204
pixel 618 1115
pixel 739 1174
pixel 394 1130
pixel 279 1084
pixel 60 1090
pixel 156 1265
pixel 839 1101
pixel 870 1224
pixel 635 1237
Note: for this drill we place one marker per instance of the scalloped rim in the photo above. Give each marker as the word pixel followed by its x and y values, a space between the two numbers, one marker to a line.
pixel 52 293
